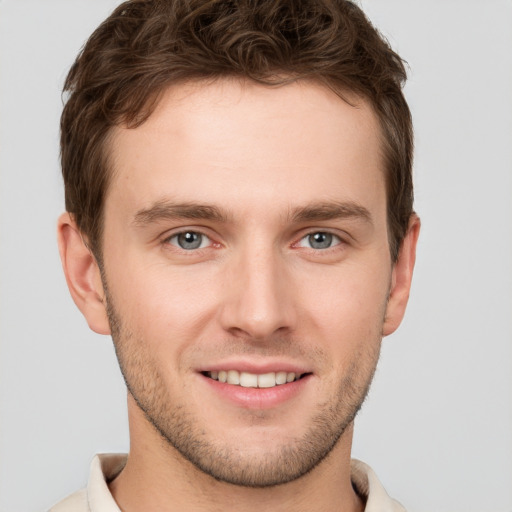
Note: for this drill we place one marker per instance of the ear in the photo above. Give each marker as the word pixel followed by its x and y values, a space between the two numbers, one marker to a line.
pixel 82 274
pixel 401 278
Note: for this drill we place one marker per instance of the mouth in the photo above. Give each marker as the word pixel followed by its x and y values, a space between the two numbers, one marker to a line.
pixel 254 380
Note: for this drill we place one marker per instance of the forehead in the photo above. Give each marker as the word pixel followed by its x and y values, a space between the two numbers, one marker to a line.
pixel 228 139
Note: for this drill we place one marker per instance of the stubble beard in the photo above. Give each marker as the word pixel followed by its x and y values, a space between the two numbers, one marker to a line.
pixel 179 427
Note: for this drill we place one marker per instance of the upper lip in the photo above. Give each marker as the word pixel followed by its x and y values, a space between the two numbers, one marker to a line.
pixel 256 367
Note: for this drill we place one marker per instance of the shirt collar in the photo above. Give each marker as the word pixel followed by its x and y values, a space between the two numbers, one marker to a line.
pixel 368 486
pixel 104 468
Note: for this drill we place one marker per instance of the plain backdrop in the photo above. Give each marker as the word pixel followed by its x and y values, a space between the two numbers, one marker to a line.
pixel 437 427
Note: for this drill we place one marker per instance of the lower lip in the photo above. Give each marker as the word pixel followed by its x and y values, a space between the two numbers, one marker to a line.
pixel 257 398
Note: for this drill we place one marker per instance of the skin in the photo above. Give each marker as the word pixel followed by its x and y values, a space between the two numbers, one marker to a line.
pixel 254 172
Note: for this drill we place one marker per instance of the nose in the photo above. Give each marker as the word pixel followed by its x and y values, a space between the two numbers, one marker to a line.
pixel 258 296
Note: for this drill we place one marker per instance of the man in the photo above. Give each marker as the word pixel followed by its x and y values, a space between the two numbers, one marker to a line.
pixel 239 219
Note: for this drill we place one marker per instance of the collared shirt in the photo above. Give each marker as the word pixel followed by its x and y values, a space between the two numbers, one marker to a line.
pixel 96 496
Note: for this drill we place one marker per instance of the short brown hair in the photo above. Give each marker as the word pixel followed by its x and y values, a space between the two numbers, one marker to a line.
pixel 146 45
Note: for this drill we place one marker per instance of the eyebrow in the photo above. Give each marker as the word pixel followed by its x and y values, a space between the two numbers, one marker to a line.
pixel 167 210
pixel 331 211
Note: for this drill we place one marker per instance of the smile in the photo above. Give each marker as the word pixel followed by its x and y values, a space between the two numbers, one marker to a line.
pixel 253 380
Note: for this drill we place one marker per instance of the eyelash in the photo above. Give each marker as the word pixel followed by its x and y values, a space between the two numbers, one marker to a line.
pixel 331 237
pixel 203 236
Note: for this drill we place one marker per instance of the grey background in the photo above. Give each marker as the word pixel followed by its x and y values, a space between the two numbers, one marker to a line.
pixel 437 427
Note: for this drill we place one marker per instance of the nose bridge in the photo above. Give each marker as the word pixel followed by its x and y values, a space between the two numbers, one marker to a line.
pixel 259 302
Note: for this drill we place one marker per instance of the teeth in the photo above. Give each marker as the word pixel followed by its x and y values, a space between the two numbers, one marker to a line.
pixel 267 380
pixel 253 380
pixel 233 377
pixel 248 380
pixel 280 378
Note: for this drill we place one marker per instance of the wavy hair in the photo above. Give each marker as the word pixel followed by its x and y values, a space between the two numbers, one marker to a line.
pixel 145 46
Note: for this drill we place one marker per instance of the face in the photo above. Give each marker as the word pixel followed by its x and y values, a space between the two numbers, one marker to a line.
pixel 247 273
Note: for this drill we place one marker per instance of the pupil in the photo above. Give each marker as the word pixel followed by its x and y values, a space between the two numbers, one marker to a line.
pixel 320 240
pixel 189 240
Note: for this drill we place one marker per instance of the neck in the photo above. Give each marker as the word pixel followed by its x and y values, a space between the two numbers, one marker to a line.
pixel 157 477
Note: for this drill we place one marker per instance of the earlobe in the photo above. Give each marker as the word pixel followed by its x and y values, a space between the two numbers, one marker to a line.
pixel 401 278
pixel 82 274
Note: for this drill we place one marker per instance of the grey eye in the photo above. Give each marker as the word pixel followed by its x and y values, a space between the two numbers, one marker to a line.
pixel 320 240
pixel 189 240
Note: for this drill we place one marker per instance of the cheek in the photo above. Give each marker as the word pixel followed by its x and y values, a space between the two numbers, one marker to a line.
pixel 348 306
pixel 159 303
